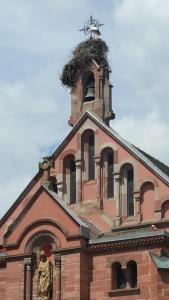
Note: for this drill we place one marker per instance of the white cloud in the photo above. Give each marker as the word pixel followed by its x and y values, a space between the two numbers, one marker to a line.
pixel 36 39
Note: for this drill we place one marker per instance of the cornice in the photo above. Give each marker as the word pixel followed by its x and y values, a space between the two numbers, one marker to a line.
pixel 132 244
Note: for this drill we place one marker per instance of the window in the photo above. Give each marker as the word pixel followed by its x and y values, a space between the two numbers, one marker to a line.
pixel 118 276
pixel 69 170
pixel 72 182
pixel 91 162
pixel 132 273
pixel 88 153
pixel 130 198
pixel 127 189
pixel 107 172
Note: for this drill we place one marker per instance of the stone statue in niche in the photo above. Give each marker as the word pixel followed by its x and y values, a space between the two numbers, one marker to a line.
pixel 44 283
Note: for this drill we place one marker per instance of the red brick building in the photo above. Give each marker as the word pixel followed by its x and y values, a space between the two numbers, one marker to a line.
pixel 98 207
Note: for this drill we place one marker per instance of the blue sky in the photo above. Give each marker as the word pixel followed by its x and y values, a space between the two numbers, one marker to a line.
pixel 36 40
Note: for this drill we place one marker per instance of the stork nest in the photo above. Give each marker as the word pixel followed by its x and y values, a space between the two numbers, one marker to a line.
pixel 82 55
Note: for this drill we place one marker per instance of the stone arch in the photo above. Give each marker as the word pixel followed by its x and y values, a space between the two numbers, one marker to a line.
pixel 110 145
pixel 40 240
pixel 63 155
pixel 132 162
pixel 147 195
pixel 37 224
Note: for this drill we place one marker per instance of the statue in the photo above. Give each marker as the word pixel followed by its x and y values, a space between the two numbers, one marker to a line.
pixel 44 277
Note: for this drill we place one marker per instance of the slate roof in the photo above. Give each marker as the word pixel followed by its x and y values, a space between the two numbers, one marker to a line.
pixel 128 235
pixel 161 262
pixel 164 168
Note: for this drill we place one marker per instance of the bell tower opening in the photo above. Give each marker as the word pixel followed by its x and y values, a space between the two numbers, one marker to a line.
pixel 88 87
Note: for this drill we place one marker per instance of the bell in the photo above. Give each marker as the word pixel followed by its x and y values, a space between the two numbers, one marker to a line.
pixel 90 92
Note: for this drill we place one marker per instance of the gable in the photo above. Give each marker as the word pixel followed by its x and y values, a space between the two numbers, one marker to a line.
pixel 45 209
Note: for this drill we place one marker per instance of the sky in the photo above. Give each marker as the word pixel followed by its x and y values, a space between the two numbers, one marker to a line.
pixel 36 40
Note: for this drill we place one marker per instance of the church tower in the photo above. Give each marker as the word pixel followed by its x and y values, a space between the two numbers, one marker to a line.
pixel 87 74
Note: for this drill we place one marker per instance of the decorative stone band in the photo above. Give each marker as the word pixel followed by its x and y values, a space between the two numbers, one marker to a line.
pixel 116 246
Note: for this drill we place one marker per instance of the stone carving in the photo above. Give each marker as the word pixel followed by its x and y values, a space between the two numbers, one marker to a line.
pixel 44 277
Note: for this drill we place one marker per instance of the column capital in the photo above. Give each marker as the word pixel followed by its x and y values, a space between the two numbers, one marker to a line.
pixel 116 176
pixel 97 159
pixel 57 258
pixel 28 263
pixel 137 195
pixel 78 163
pixel 60 185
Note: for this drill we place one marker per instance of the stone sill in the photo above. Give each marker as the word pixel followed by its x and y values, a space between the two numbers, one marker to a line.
pixel 124 292
pixel 88 182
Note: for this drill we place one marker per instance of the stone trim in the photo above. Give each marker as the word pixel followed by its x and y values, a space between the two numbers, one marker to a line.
pixel 140 243
pixel 124 292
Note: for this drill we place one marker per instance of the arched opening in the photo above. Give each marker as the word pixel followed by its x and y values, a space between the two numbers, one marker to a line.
pixel 42 279
pixel 118 276
pixel 69 171
pixel 127 189
pixel 42 241
pixel 88 154
pixel 53 184
pixel 132 273
pixel 165 210
pixel 88 86
pixel 147 201
pixel 107 158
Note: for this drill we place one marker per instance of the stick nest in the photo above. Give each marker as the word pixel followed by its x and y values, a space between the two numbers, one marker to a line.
pixel 82 55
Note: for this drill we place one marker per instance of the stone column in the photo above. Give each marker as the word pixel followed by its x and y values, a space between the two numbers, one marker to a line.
pixel 137 203
pixel 99 181
pixel 60 189
pixel 117 198
pixel 28 278
pixel 78 180
pixel 58 276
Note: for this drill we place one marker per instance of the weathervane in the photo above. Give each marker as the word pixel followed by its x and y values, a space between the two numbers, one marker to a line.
pixel 92 27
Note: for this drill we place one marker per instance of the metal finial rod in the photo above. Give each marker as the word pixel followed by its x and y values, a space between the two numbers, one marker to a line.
pixel 92 27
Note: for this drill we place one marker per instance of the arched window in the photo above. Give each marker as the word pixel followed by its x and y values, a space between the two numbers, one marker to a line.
pixel 69 170
pixel 72 182
pixel 118 276
pixel 165 209
pixel 147 201
pixel 108 168
pixel 88 153
pixel 88 86
pixel 132 273
pixel 130 198
pixel 127 189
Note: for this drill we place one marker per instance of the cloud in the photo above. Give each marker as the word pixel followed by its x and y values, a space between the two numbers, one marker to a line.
pixel 141 74
pixel 36 39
